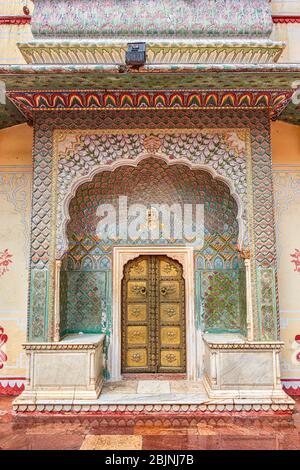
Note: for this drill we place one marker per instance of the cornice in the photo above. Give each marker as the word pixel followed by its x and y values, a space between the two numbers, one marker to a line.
pixel 62 346
pixel 262 346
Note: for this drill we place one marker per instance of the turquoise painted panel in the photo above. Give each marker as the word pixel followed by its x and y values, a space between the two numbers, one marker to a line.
pixel 86 305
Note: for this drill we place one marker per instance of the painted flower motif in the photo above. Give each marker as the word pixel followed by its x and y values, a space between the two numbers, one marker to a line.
pixel 296 260
pixel 5 261
pixel 296 348
pixel 3 340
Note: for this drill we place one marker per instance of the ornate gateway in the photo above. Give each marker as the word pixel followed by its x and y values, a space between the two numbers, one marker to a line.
pixel 153 316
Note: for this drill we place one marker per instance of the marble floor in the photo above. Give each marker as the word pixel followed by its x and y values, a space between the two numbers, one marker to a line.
pixel 69 432
pixel 153 391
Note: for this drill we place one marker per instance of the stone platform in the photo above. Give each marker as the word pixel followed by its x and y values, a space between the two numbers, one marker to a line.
pixel 149 397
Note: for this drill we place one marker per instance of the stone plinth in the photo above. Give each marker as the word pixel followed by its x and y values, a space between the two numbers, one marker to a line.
pixel 69 369
pixel 238 369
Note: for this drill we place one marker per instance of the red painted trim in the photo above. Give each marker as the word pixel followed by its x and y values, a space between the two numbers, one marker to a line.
pixel 285 19
pixel 11 391
pixel 16 20
pixel 292 392
pixel 11 378
pixel 290 380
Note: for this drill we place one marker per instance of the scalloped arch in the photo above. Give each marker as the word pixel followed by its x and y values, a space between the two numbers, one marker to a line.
pixel 62 230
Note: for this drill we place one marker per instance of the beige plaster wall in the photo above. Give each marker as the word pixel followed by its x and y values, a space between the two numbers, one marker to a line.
pixel 289 33
pixel 10 35
pixel 15 200
pixel 286 160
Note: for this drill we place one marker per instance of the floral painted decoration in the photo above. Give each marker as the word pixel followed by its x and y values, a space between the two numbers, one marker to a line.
pixel 296 260
pixel 3 340
pixel 5 261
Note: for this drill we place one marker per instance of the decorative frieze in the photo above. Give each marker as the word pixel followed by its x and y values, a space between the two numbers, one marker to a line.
pixel 92 100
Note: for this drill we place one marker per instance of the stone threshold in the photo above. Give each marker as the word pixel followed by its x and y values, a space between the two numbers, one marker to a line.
pixel 153 376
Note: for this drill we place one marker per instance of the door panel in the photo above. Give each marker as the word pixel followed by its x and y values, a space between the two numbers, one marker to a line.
pixel 171 316
pixel 153 316
pixel 136 328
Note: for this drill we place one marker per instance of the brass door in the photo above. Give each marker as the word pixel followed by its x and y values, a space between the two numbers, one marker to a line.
pixel 153 316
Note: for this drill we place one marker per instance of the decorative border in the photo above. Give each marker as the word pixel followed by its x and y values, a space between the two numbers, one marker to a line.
pixel 285 19
pixel 243 346
pixel 183 255
pixel 291 387
pixel 283 408
pixel 15 20
pixel 92 100
pixel 12 386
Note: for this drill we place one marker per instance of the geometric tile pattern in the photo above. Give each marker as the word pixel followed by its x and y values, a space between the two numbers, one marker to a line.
pixel 220 293
pixel 86 305
pixel 41 208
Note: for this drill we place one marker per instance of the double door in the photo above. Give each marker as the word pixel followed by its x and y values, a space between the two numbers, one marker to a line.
pixel 153 316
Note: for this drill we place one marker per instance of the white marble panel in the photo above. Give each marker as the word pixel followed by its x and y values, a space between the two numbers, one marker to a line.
pixel 246 369
pixel 61 370
pixel 153 387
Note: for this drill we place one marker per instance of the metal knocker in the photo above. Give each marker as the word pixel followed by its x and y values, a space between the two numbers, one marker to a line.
pixel 167 290
pixel 163 291
pixel 143 290
pixel 139 290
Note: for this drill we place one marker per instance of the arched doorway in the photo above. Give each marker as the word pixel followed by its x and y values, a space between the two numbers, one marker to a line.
pixel 93 268
pixel 153 316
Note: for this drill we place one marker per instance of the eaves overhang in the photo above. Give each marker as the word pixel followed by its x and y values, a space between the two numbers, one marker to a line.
pixel 40 88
